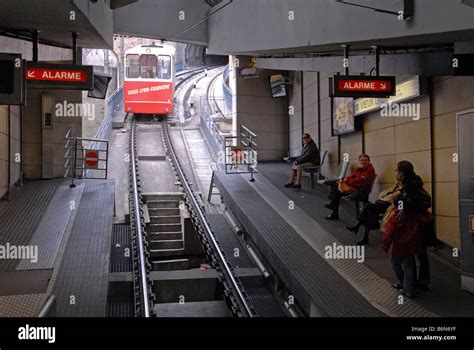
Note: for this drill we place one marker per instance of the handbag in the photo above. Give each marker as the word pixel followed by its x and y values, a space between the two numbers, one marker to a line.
pixel 344 187
pixel 386 217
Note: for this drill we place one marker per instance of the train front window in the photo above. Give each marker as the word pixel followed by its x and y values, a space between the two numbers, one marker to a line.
pixel 148 66
pixel 133 66
pixel 164 67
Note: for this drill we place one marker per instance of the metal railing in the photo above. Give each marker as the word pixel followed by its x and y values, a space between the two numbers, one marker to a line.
pixel 102 149
pixel 70 156
pixel 114 102
pixel 241 152
pixel 226 88
pixel 75 157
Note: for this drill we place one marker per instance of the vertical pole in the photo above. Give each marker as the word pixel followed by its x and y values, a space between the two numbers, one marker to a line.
pixel 73 163
pixel 302 105
pixel 249 140
pixel 7 195
pixel 74 48
pixel 35 38
pixel 107 160
pixel 346 57
pixel 377 61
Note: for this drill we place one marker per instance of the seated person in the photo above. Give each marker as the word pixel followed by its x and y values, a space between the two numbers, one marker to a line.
pixel 361 177
pixel 369 218
pixel 309 158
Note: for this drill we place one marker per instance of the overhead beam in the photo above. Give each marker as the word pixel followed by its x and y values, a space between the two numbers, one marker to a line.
pixel 175 20
pixel 435 63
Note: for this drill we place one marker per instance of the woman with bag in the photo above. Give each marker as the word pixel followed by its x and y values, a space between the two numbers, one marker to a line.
pixel 402 236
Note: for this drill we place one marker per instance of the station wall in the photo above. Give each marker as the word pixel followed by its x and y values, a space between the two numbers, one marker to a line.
pixel 261 113
pixel 389 140
pixel 12 118
pixel 9 149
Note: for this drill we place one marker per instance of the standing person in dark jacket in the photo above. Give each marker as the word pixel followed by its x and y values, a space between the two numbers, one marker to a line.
pixel 309 158
pixel 402 235
pixel 361 177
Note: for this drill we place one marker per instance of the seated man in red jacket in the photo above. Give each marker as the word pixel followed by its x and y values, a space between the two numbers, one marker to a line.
pixel 361 177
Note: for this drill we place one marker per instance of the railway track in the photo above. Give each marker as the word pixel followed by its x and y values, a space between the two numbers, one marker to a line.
pixel 159 231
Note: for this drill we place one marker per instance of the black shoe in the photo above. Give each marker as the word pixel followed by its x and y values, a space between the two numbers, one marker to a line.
pixel 363 241
pixel 332 217
pixel 289 185
pixel 354 229
pixel 397 286
pixel 297 186
pixel 329 206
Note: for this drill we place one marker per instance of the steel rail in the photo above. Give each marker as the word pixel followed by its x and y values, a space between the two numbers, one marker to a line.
pixel 143 278
pixel 247 309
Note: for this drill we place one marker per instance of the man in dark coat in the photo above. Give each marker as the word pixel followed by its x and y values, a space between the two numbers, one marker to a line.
pixel 309 158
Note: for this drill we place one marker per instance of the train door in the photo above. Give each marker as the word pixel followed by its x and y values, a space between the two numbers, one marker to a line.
pixel 465 128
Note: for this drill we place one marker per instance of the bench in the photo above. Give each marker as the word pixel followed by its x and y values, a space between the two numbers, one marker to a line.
pixel 361 195
pixel 316 169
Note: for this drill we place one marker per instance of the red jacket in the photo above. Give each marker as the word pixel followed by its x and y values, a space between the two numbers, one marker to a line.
pixel 361 177
pixel 404 239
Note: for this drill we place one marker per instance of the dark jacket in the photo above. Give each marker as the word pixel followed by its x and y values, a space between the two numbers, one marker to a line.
pixel 310 153
pixel 416 201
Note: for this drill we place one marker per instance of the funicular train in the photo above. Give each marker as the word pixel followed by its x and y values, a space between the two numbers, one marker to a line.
pixel 149 80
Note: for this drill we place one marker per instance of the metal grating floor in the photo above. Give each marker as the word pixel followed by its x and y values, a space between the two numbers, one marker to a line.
pixel 121 236
pixel 120 307
pixel 20 217
pixel 82 281
pixel 260 297
pixel 229 242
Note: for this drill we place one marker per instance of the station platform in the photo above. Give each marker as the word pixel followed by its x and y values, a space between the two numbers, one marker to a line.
pixel 63 235
pixel 293 240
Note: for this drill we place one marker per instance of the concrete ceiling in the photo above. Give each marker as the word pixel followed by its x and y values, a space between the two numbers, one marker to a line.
pixel 52 19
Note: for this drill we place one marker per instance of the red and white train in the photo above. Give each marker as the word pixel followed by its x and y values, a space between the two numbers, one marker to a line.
pixel 149 79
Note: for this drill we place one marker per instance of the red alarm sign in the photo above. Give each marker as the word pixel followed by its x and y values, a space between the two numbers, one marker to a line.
pixel 363 86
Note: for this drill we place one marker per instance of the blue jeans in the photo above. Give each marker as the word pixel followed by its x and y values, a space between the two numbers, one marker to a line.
pixel 404 268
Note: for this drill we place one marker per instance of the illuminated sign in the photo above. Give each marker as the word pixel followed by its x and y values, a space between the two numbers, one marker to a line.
pixel 362 86
pixel 59 76
pixel 406 90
